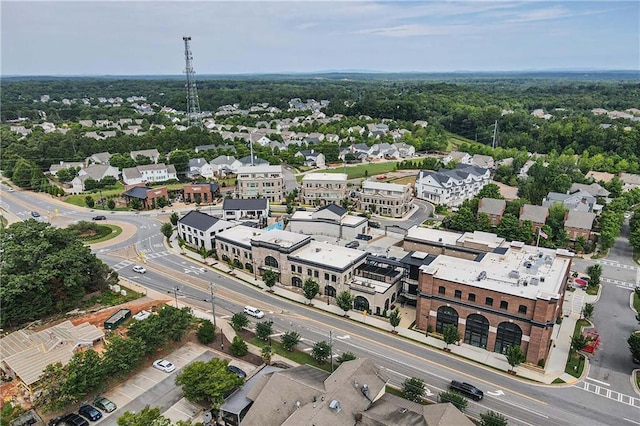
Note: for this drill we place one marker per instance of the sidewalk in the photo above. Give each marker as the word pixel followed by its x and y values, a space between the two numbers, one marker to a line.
pixel 556 360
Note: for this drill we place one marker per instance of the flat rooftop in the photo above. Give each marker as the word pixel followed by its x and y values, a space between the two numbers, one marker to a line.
pixel 529 272
pixel 338 177
pixel 433 235
pixel 240 234
pixel 281 238
pixel 328 254
pixel 478 237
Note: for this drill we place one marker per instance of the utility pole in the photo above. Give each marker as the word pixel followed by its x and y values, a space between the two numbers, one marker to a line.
pixel 494 142
pixel 213 303
pixel 331 349
pixel 175 293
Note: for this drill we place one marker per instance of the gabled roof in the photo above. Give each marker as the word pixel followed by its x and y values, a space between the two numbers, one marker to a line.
pixel 492 206
pixel 245 204
pixel 580 220
pixel 396 411
pixel 246 161
pixel 197 162
pixel 537 214
pixel 198 220
pixel 335 209
pixel 96 171
pixel 223 160
pixel 594 189
pixel 139 192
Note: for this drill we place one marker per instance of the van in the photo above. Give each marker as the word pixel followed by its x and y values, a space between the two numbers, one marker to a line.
pixel 254 312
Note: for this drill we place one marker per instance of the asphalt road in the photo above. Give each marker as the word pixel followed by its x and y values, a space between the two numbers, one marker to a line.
pixel 523 402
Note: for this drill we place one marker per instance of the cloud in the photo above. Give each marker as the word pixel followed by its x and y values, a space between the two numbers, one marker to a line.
pixel 414 30
pixel 306 25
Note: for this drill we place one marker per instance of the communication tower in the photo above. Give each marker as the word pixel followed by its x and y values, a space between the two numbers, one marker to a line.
pixel 193 104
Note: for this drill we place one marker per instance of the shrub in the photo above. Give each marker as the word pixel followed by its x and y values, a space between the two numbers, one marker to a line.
pixel 206 332
pixel 239 347
pixel 290 340
pixel 239 321
pixel 455 398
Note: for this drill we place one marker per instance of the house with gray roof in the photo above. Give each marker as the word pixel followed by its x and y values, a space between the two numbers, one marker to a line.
pixel 247 161
pixel 252 208
pixel 96 172
pixel 312 158
pixel 493 208
pixel 578 224
pixel 594 189
pixel 99 158
pixel 457 156
pixel 581 201
pixel 405 150
pixel 152 154
pixel 199 229
pixel 55 168
pixel 630 181
pixel 451 187
pixel 536 214
pixel 149 173
pixel 484 161
pixel 224 165
pixel 199 167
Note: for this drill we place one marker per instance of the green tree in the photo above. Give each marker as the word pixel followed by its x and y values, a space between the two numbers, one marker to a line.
pixel 579 342
pixel 413 389
pixel 239 321
pixel 634 240
pixel 180 160
pixel 207 382
pixel 484 222
pixel 269 278
pixel 150 331
pixel 464 220
pixel 206 332
pixel 595 272
pixel 266 352
pixel 634 345
pixel 264 329
pixel 491 418
pixel 88 200
pixel 84 375
pixel 321 352
pixel 121 356
pixel 310 288
pixel 167 230
pixel 174 218
pixel 344 300
pixel 587 311
pixel 111 204
pixel 147 416
pixel 515 356
pixel 509 227
pixel 394 318
pixel 238 347
pixel 346 356
pixel 122 161
pixel 490 190
pixel 175 321
pixel 450 334
pixel 290 340
pixel 459 401
pixel 50 384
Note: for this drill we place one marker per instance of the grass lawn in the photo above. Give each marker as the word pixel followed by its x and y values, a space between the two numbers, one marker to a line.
pixel 575 364
pixel 115 231
pixel 358 171
pixel 636 302
pixel 592 290
pixel 558 381
pixel 300 357
pixel 404 180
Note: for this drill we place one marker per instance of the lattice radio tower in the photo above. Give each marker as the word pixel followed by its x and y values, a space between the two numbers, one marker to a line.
pixel 193 104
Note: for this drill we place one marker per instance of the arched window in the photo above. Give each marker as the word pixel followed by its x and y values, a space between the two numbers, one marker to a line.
pixel 386 304
pixel 296 282
pixel 476 331
pixel 361 304
pixel 508 334
pixel 249 267
pixel 446 315
pixel 271 261
pixel 329 291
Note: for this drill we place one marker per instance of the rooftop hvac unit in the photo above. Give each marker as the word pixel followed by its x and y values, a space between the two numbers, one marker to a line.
pixel 482 275
pixel 514 274
pixel 524 282
pixel 335 405
pixel 548 260
pixel 534 280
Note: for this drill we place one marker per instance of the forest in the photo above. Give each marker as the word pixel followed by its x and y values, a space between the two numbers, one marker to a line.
pixel 468 108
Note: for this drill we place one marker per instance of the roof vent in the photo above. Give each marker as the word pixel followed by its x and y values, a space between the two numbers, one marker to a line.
pixel 335 405
pixel 482 275
pixel 317 249
pixel 297 404
pixel 365 390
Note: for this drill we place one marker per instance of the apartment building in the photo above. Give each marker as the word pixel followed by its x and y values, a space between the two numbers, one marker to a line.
pixel 198 229
pixel 320 189
pixel 264 181
pixel 512 296
pixel 451 187
pixel 386 198
pixel 149 173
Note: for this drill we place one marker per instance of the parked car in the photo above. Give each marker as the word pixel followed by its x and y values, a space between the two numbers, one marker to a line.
pixel 364 237
pixel 142 315
pixel 100 217
pixel 139 269
pixel 90 412
pixel 164 365
pixel 352 244
pixel 105 404
pixel 237 371
pixel 35 214
pixel 72 419
pixel 254 312
pixel 466 389
pixel 374 224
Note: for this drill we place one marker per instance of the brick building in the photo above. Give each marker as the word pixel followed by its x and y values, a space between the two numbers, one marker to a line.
pixel 207 192
pixel 511 296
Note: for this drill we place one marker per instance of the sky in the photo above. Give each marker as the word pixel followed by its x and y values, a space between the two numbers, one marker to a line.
pixel 242 37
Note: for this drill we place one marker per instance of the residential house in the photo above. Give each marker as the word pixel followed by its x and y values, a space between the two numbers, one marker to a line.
pixel 199 167
pixel 86 123
pixel 599 176
pixel 629 181
pixel 152 154
pixel 198 229
pixel 451 187
pixel 149 173
pixel 493 208
pixel 498 300
pixel 200 148
pixel 536 214
pixel 252 161
pixel 595 189
pixel 207 192
pixel 331 220
pixel 421 123
pixel 580 201
pixel 524 170
pixel 484 161
pixel 405 150
pixel 24 354
pixel 578 224
pixel 253 208
pixel 312 158
pixel 148 197
pixel 382 150
pixel 99 158
pixel 224 165
pixel 330 137
pixel 323 188
pixel 387 199
pixel 96 172
pixel 261 181
pixel 457 156
pixel 55 168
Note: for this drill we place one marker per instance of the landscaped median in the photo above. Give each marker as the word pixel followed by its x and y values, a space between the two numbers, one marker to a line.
pixel 576 361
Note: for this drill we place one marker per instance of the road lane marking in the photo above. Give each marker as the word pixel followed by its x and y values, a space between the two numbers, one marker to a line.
pixel 609 394
pixel 598 381
pixel 631 421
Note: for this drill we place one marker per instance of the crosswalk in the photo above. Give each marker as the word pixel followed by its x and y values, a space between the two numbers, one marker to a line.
pixel 616 264
pixel 154 255
pixel 609 393
pixel 121 265
pixel 619 283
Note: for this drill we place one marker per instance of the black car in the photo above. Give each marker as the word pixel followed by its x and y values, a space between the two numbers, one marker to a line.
pixel 363 237
pixel 35 214
pixel 237 371
pixel 100 217
pixel 72 419
pixel 90 412
pixel 374 224
pixel 466 389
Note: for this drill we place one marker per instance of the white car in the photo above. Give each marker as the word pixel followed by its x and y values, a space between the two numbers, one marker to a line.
pixel 254 312
pixel 164 365
pixel 139 269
